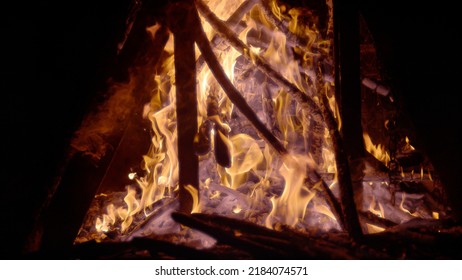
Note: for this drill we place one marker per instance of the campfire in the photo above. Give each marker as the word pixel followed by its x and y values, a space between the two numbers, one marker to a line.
pixel 229 137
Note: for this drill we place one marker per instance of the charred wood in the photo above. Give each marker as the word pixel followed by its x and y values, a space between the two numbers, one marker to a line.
pixel 181 17
pixel 228 237
pixel 376 220
pixel 350 219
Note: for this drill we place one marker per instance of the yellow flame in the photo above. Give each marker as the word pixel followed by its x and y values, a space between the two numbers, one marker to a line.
pixel 152 30
pixel 249 155
pixel 378 151
pixel 132 207
pixel 408 144
pixel 195 196
pixel 237 209
pixel 290 207
pixel 373 228
pixel 246 155
pixel 401 206
pixel 131 175
pixel 372 208
pixel 323 209
pixel 215 195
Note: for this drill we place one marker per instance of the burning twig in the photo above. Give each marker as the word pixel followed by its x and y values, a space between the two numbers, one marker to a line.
pixel 160 207
pixel 376 220
pixel 233 23
pixel 301 97
pixel 327 194
pixel 230 90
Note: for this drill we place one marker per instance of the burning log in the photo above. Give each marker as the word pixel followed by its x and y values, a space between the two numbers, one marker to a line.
pixel 181 18
pixel 258 250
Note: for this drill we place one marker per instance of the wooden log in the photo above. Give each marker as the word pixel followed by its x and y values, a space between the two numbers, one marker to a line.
pixel 376 220
pixel 227 237
pixel 347 54
pixel 349 211
pixel 297 244
pixel 181 18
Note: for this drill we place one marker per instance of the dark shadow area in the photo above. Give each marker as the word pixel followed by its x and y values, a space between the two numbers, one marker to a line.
pixel 419 45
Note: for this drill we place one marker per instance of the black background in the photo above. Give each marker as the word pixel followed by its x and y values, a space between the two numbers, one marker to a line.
pixel 56 56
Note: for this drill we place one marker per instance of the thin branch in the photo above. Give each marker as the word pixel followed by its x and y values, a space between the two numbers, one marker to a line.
pixel 233 94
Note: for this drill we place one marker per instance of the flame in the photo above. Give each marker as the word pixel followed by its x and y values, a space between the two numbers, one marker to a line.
pixel 323 209
pixel 372 208
pixel 237 209
pixel 373 228
pixel 378 151
pixel 195 196
pixel 408 144
pixel 401 206
pixel 246 155
pixel 254 163
pixel 290 207
pixel 132 175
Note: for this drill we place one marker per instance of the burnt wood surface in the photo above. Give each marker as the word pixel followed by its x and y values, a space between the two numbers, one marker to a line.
pixel 236 239
pixel 181 17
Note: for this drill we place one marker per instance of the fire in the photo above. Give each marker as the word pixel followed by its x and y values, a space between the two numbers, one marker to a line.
pixel 372 208
pixel 401 206
pixel 290 207
pixel 250 156
pixel 378 151
pixel 258 183
pixel 373 228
